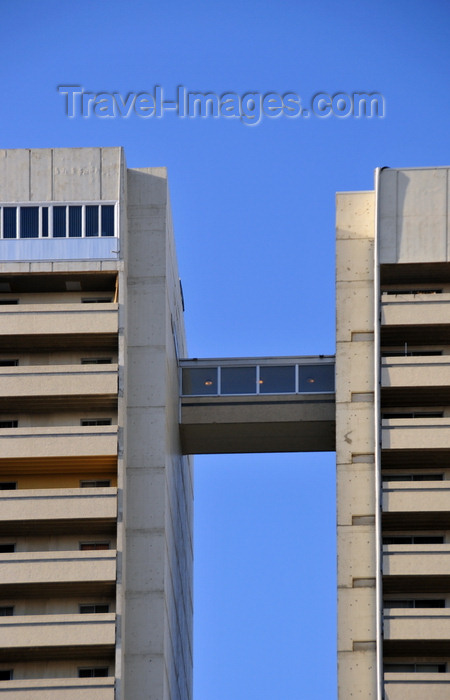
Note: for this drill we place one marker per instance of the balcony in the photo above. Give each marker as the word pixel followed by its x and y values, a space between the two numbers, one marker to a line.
pixel 31 388
pixel 35 635
pixel 57 325
pixel 416 568
pixel 32 511
pixel 417 624
pixel 415 380
pixel 404 318
pixel 416 686
pixel 415 441
pixel 424 504
pixel 24 447
pixel 59 689
pixel 30 572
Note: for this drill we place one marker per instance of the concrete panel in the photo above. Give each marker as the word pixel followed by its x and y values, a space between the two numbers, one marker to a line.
pixel 355 303
pixel 59 689
pixel 355 215
pixel 357 675
pixel 57 630
pixel 415 624
pixel 356 554
pixel 15 175
pixel 416 497
pixel 357 619
pixel 57 567
pixel 421 215
pixel 416 686
pixel 77 174
pixel 354 260
pixel 356 368
pixel 354 430
pixel 112 171
pixel 58 441
pixel 57 504
pixel 355 491
pixel 416 371
pixel 415 309
pixel 62 380
pixel 416 560
pixel 415 433
pixel 39 319
pixel 41 162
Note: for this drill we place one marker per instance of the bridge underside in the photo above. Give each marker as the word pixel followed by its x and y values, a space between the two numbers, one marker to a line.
pixel 275 423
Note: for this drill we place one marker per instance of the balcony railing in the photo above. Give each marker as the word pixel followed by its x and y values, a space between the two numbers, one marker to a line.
pixel 58 689
pixel 41 631
pixel 33 505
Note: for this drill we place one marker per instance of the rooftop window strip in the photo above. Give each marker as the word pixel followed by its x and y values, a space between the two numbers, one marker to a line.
pixel 58 220
pixel 257 379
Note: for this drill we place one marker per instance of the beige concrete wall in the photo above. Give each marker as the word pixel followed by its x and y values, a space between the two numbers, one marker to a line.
pixel 355 445
pixel 70 380
pixel 60 174
pixel 416 624
pixel 157 645
pixel 414 215
pixel 410 497
pixel 49 319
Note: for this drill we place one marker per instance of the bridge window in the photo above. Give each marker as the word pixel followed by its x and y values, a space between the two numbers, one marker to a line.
pixel 199 381
pixel 238 380
pixel 57 220
pixel 315 378
pixel 277 380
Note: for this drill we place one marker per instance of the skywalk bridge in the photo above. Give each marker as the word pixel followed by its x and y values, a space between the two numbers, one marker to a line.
pixel 273 404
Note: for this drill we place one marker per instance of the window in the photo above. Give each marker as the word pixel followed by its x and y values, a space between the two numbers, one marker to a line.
pixel 9 423
pixel 414 414
pixel 93 672
pixel 96 361
pixel 95 421
pixel 413 477
pixel 9 363
pixel 7 548
pixel 6 674
pixel 85 546
pixel 415 668
pixel 8 302
pixel 29 222
pixel 8 485
pixel 58 220
pixel 414 539
pixel 95 484
pixel 96 300
pixel 93 608
pixel 415 603
pixel 6 610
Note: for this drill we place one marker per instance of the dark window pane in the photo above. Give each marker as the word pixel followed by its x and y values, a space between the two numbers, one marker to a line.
pixel 202 380
pixel 9 222
pixel 44 222
pixel 29 222
pixel 91 220
pixel 8 485
pixel 276 380
pixel 107 220
pixel 92 672
pixel 314 378
pixel 6 675
pixel 59 222
pixel 7 548
pixel 238 380
pixel 75 222
pixel 6 610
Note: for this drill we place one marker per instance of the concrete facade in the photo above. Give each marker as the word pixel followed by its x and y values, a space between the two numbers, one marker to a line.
pixel 96 485
pixel 392 437
pixel 91 324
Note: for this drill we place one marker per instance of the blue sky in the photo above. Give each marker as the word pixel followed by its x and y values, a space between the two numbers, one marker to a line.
pixel 254 221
